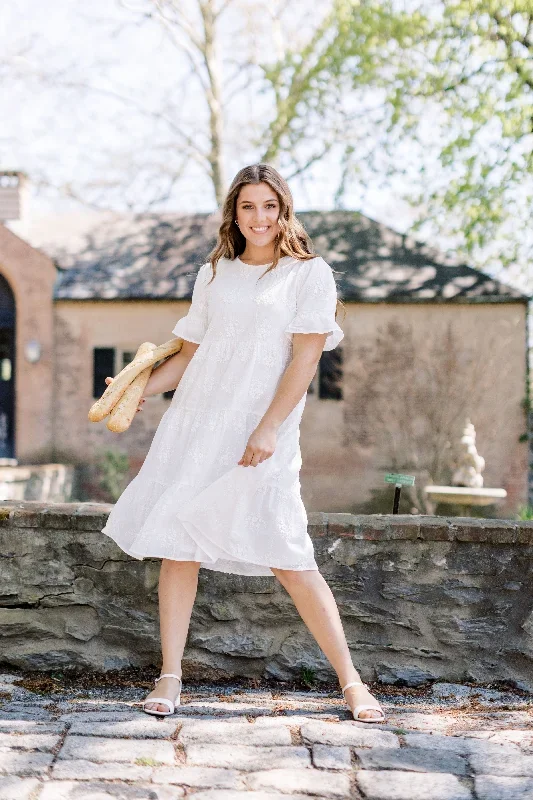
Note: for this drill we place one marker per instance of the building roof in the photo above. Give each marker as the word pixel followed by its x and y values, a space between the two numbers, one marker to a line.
pixel 109 256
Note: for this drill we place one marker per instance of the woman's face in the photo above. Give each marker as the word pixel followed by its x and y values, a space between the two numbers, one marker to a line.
pixel 257 212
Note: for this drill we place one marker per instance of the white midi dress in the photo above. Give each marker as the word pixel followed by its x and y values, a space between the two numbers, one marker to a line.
pixel 191 500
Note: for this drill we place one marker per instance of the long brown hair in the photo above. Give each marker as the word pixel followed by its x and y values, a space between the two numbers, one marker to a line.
pixel 292 239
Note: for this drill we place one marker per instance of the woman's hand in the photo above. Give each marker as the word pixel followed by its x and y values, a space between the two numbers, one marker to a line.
pixel 260 446
pixel 141 401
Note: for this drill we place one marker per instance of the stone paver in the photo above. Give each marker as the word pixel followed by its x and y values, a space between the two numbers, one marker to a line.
pixel 97 748
pixel 21 711
pixel 511 764
pixel 414 759
pixel 19 788
pixel 209 777
pixel 228 794
pixel 72 790
pixel 144 727
pixel 103 716
pixel 30 726
pixel 30 763
pixel 347 733
pixel 393 785
pixel 91 771
pixel 520 739
pixel 330 757
pixel 496 787
pixel 416 721
pixel 322 784
pixel 242 732
pixel 462 745
pixel 225 709
pixel 247 757
pixel 233 745
pixel 524 739
pixel 290 720
pixel 45 742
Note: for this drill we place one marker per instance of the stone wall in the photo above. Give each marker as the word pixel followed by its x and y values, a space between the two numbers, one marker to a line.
pixel 421 598
pixel 48 483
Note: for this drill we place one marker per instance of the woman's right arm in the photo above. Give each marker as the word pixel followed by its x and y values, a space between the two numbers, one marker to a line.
pixel 167 375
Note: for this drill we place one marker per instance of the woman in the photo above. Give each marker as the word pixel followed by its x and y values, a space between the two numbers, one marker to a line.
pixel 220 485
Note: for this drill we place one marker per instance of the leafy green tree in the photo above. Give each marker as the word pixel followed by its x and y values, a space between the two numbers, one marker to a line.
pixel 472 73
pixel 113 466
pixel 450 82
pixel 328 89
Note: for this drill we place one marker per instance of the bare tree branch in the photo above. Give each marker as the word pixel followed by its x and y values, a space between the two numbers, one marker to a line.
pixel 196 151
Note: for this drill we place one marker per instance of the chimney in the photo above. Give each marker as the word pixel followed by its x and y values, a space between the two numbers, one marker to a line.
pixel 13 186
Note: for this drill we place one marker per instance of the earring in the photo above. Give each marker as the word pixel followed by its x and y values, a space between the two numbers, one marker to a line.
pixel 236 223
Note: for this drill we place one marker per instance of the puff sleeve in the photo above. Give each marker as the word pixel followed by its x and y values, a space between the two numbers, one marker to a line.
pixel 316 303
pixel 193 325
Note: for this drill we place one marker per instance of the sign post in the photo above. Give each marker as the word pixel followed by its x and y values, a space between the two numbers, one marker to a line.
pixel 399 481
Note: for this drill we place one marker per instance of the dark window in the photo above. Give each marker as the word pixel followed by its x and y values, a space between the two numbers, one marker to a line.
pixel 311 389
pixel 103 365
pixel 330 375
pixel 127 357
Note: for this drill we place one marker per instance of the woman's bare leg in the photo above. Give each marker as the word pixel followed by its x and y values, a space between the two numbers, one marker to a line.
pixel 317 607
pixel 178 582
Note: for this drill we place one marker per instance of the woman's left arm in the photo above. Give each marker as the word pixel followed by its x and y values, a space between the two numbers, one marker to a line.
pixel 307 349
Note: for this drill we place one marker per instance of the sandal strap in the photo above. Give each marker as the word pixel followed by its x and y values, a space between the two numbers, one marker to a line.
pixel 168 675
pixel 164 700
pixel 359 708
pixel 353 683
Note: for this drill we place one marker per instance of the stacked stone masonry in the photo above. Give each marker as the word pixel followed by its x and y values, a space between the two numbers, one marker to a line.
pixel 422 598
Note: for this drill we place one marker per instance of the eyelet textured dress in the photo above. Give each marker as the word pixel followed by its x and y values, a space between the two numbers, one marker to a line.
pixel 191 500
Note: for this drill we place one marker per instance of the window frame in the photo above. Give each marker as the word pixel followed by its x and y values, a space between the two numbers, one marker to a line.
pixel 316 387
pixel 100 389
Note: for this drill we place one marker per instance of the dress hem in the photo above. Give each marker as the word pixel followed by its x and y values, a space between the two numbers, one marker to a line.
pixel 212 565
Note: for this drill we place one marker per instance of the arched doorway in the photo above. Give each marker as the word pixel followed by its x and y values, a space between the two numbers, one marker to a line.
pixel 7 370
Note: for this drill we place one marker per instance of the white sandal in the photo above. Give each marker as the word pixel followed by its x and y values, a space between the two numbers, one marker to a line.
pixel 364 707
pixel 164 700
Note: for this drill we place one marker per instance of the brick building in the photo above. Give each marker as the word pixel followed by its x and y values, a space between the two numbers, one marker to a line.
pixel 428 342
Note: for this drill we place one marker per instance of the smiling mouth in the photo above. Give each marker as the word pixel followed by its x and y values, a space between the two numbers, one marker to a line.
pixel 263 229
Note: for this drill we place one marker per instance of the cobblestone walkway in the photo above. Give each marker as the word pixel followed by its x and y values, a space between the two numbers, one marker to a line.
pixel 453 743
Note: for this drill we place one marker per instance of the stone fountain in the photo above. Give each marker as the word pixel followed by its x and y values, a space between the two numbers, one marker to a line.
pixel 467 483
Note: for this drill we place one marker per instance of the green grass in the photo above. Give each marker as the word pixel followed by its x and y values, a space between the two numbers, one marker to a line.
pixel 525 512
pixel 308 677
